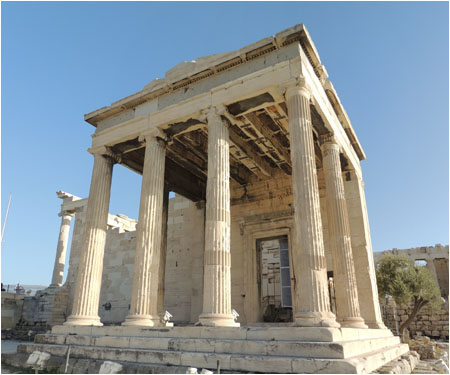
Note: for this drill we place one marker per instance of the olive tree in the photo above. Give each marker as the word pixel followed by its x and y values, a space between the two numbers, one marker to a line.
pixel 407 283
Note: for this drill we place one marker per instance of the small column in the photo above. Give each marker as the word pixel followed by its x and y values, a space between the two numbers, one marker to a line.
pixel 309 258
pixel 144 295
pixel 60 259
pixel 217 260
pixel 90 268
pixel 347 304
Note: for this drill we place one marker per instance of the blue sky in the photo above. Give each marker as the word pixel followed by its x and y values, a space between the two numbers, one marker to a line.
pixel 387 61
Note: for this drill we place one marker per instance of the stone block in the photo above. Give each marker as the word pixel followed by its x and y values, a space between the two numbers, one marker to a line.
pixel 209 361
pixel 240 347
pixel 318 366
pixel 261 364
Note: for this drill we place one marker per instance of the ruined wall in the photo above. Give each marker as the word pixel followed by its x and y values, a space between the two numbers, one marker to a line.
pixel 46 307
pixel 436 258
pixel 12 305
pixel 428 323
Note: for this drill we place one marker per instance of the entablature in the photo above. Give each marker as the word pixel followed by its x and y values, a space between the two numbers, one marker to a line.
pixel 186 75
pixel 253 105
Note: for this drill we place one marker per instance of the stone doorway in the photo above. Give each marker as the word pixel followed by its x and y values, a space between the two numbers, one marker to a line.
pixel 274 280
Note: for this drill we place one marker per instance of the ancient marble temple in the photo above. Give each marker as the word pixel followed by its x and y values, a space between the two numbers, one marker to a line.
pixel 266 165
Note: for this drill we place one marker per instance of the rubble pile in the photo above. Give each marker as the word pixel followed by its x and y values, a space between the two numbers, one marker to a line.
pixel 426 348
pixel 433 355
pixel 403 365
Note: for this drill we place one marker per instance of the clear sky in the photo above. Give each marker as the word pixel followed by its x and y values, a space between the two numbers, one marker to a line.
pixel 387 61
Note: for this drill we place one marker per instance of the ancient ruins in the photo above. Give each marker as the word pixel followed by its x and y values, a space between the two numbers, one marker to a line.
pixel 430 323
pixel 264 256
pixel 435 258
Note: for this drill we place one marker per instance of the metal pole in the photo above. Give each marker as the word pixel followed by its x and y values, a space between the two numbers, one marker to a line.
pixel 6 216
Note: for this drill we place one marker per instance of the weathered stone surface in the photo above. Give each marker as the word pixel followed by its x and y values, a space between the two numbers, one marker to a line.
pixel 144 297
pixel 217 259
pixel 239 355
pixel 312 298
pixel 109 367
pixel 88 284
pixel 347 303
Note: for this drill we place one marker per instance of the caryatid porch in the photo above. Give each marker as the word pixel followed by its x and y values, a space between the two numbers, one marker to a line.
pixel 209 129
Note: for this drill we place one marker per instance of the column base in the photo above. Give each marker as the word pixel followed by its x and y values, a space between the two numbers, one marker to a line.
pixel 376 325
pixel 143 321
pixel 218 320
pixel 315 319
pixel 353 322
pixel 78 320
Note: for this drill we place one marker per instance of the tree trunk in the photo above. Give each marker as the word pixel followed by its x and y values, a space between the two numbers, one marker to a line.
pixel 418 304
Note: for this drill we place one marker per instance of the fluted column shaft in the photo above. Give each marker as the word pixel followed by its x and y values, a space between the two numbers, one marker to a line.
pixel 61 249
pixel 217 260
pixel 144 295
pixel 362 250
pixel 312 289
pixel 348 313
pixel 89 277
pixel 163 255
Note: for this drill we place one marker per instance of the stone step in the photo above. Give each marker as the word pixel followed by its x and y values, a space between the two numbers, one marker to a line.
pixel 233 362
pixel 345 349
pixel 290 333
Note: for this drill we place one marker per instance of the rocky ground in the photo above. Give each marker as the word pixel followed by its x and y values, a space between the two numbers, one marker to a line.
pixel 10 346
pixel 433 355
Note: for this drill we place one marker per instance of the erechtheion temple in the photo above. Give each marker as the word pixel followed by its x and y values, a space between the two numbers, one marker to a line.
pixel 264 256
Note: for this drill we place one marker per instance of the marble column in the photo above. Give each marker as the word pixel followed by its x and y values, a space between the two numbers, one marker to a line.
pixel 217 259
pixel 362 249
pixel 90 268
pixel 61 249
pixel 347 304
pixel 163 255
pixel 144 295
pixel 313 306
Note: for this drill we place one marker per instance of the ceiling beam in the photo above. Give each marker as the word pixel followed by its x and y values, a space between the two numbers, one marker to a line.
pixel 245 150
pixel 267 133
pixel 197 142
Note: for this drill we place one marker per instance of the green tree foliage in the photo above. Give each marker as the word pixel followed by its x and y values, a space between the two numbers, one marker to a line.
pixel 398 277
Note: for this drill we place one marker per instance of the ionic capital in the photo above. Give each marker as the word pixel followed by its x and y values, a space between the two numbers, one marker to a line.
pixel 106 152
pixel 66 213
pixel 154 135
pixel 299 89
pixel 328 142
pixel 214 113
pixel 327 138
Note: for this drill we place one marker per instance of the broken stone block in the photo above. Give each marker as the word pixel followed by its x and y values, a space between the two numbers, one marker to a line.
pixel 37 360
pixel 109 367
